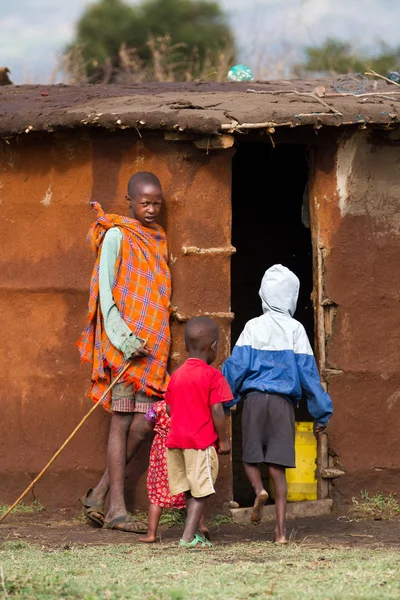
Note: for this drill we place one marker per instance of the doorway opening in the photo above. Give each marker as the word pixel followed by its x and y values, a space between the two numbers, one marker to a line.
pixel 269 226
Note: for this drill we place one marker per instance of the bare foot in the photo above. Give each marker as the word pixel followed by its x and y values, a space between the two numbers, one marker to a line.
pixel 258 507
pixel 280 537
pixel 282 540
pixel 148 539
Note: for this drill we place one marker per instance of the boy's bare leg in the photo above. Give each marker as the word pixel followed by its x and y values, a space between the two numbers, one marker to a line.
pixel 195 511
pixel 154 518
pixel 116 462
pixel 254 476
pixel 100 492
pixel 121 423
pixel 278 476
pixel 137 433
pixel 203 528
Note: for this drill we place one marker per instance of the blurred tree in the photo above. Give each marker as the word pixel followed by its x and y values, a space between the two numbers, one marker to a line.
pixel 101 30
pixel 335 56
pixel 191 33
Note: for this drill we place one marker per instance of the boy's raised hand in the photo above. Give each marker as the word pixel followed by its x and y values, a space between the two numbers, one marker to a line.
pixel 224 447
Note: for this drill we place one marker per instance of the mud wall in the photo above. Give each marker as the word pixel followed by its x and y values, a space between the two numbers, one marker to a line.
pixel 46 185
pixel 356 211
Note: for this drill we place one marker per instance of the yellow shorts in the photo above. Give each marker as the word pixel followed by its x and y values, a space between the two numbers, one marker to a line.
pixel 193 471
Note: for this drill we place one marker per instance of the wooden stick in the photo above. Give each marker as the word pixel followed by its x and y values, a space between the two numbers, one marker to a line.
pixel 317 99
pixel 382 77
pixel 296 93
pixel 194 250
pixel 43 471
pixel 271 92
pixel 233 127
pixel 361 95
pixel 315 114
pixel 322 463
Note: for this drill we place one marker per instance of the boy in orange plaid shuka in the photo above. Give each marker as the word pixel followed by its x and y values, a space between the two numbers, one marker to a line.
pixel 129 302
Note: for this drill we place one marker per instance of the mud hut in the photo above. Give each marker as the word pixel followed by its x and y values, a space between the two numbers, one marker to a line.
pixel 253 174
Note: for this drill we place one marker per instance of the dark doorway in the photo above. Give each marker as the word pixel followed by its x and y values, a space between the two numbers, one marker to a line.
pixel 268 191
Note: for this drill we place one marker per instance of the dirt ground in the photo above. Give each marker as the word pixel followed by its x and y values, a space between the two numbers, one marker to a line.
pixel 66 528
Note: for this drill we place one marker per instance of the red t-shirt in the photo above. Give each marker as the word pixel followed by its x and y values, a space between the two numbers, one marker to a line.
pixel 193 389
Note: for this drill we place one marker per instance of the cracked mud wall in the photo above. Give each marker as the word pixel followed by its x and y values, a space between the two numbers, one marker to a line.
pixel 356 210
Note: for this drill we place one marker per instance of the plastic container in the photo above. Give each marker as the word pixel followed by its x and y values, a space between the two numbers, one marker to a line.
pixel 240 73
pixel 302 481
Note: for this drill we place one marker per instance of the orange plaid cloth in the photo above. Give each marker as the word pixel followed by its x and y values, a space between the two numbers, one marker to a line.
pixel 142 292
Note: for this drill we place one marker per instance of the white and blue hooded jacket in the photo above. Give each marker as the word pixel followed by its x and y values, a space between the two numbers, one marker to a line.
pixel 273 354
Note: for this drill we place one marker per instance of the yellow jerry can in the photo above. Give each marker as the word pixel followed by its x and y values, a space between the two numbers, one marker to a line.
pixel 302 481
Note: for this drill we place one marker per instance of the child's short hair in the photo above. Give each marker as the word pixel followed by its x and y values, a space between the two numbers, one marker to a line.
pixel 200 333
pixel 139 179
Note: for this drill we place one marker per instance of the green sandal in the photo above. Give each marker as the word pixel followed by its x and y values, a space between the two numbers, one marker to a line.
pixel 199 541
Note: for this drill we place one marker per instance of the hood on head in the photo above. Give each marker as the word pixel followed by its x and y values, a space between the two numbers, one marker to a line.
pixel 279 290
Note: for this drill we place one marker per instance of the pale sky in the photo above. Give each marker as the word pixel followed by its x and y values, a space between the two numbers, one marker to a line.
pixel 269 32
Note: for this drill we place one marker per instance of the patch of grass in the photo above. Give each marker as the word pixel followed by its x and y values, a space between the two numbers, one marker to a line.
pixel 35 507
pixel 173 518
pixel 140 515
pixel 230 572
pixel 12 546
pixel 220 520
pixel 176 518
pixel 80 518
pixel 170 517
pixel 377 506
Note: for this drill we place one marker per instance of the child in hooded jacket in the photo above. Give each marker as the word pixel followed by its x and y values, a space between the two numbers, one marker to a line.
pixel 272 365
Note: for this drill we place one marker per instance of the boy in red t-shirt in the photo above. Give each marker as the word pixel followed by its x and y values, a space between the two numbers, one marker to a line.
pixel 195 395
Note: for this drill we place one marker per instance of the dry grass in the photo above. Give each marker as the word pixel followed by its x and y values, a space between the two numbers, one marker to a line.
pixel 375 507
pixel 74 64
pixel 165 65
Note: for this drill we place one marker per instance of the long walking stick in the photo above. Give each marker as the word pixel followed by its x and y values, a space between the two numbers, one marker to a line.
pixel 43 471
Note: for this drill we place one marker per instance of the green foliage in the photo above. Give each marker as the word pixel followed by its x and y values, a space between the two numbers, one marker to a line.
pixel 221 520
pixel 199 24
pixel 173 518
pixel 176 518
pixel 335 56
pixel 195 32
pixel 103 27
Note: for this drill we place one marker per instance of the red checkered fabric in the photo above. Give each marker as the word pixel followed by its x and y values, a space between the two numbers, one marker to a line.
pixel 142 293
